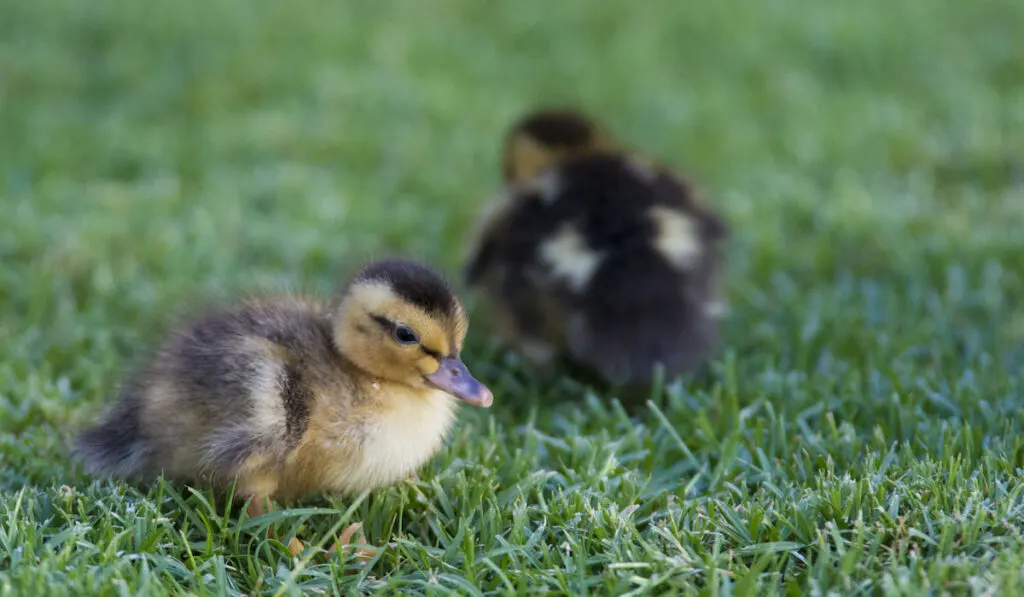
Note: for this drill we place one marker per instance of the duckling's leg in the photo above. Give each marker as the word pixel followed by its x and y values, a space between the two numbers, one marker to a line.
pixel 345 540
pixel 259 485
pixel 261 504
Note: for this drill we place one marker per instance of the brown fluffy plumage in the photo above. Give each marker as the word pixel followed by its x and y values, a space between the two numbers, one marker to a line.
pixel 597 254
pixel 292 397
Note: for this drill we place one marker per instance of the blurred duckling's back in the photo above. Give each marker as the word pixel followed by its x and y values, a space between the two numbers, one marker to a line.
pixel 600 256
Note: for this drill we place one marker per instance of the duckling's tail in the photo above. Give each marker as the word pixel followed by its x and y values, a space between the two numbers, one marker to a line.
pixel 647 314
pixel 115 446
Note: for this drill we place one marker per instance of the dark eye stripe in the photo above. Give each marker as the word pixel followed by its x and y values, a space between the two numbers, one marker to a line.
pixel 384 322
pixel 389 326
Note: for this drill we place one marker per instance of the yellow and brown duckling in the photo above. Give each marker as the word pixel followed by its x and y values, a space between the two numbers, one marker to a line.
pixel 597 255
pixel 292 397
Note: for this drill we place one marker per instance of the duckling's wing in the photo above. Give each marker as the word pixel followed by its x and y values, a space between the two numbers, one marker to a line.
pixel 238 401
pixel 222 398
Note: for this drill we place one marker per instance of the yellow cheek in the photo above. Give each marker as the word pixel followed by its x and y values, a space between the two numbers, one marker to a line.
pixel 427 365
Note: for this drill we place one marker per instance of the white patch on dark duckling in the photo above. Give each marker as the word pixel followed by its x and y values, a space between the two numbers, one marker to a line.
pixel 570 258
pixel 678 238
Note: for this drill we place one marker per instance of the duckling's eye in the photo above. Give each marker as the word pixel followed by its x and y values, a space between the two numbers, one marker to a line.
pixel 405 335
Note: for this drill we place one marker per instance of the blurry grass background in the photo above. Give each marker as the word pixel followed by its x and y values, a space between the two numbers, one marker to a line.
pixel 863 434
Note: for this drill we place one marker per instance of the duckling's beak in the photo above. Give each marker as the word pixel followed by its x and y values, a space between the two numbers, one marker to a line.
pixel 453 377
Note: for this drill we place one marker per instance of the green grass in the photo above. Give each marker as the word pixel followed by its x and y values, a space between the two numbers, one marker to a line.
pixel 863 433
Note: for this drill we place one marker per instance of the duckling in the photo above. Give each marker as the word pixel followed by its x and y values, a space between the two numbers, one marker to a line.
pixel 289 397
pixel 597 255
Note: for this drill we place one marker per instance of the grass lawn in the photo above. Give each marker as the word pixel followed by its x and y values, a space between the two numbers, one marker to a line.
pixel 862 433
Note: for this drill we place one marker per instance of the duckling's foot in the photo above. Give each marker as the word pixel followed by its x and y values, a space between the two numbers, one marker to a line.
pixel 260 505
pixel 295 546
pixel 344 542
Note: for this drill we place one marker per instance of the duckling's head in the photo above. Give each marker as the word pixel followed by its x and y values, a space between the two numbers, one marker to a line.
pixel 546 136
pixel 400 321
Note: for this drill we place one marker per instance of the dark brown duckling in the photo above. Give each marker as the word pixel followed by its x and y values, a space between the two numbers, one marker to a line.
pixel 598 255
